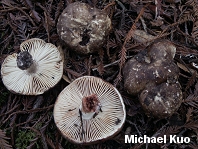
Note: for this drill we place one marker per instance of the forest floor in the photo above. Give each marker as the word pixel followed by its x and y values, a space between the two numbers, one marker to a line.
pixel 27 121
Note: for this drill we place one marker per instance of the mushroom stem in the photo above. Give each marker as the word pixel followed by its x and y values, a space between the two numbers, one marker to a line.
pixel 26 62
pixel 90 106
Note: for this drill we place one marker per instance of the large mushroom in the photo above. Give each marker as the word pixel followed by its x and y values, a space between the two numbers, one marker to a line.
pixel 153 75
pixel 36 69
pixel 89 110
pixel 83 28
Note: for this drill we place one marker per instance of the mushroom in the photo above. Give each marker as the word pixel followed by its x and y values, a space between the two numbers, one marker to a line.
pixel 161 100
pixel 83 28
pixel 89 110
pixel 37 68
pixel 153 65
pixel 153 74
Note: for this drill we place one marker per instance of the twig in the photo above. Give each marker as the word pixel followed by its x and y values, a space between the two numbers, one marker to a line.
pixel 167 144
pixel 109 5
pixel 28 111
pixel 121 5
pixel 25 15
pixel 140 134
pixel 143 24
pixel 11 9
pixel 111 64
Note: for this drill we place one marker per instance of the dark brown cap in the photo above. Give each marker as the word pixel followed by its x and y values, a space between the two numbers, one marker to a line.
pixel 162 100
pixel 83 28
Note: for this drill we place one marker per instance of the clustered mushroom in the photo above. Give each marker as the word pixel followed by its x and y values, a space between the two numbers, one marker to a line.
pixel 83 28
pixel 153 74
pixel 89 110
pixel 36 69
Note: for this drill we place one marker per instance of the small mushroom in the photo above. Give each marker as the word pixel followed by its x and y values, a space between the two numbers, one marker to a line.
pixel 89 110
pixel 153 65
pixel 161 100
pixel 83 28
pixel 37 68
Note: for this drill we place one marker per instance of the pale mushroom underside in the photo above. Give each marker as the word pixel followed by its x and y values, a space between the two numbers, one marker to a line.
pixel 104 125
pixel 49 69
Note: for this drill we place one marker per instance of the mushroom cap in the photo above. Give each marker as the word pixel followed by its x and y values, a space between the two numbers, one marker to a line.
pixel 153 65
pixel 162 100
pixel 83 28
pixel 46 71
pixel 162 50
pixel 107 123
pixel 138 75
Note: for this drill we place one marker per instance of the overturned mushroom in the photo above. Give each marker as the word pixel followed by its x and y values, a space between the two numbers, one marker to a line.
pixel 37 68
pixel 153 74
pixel 83 28
pixel 89 110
